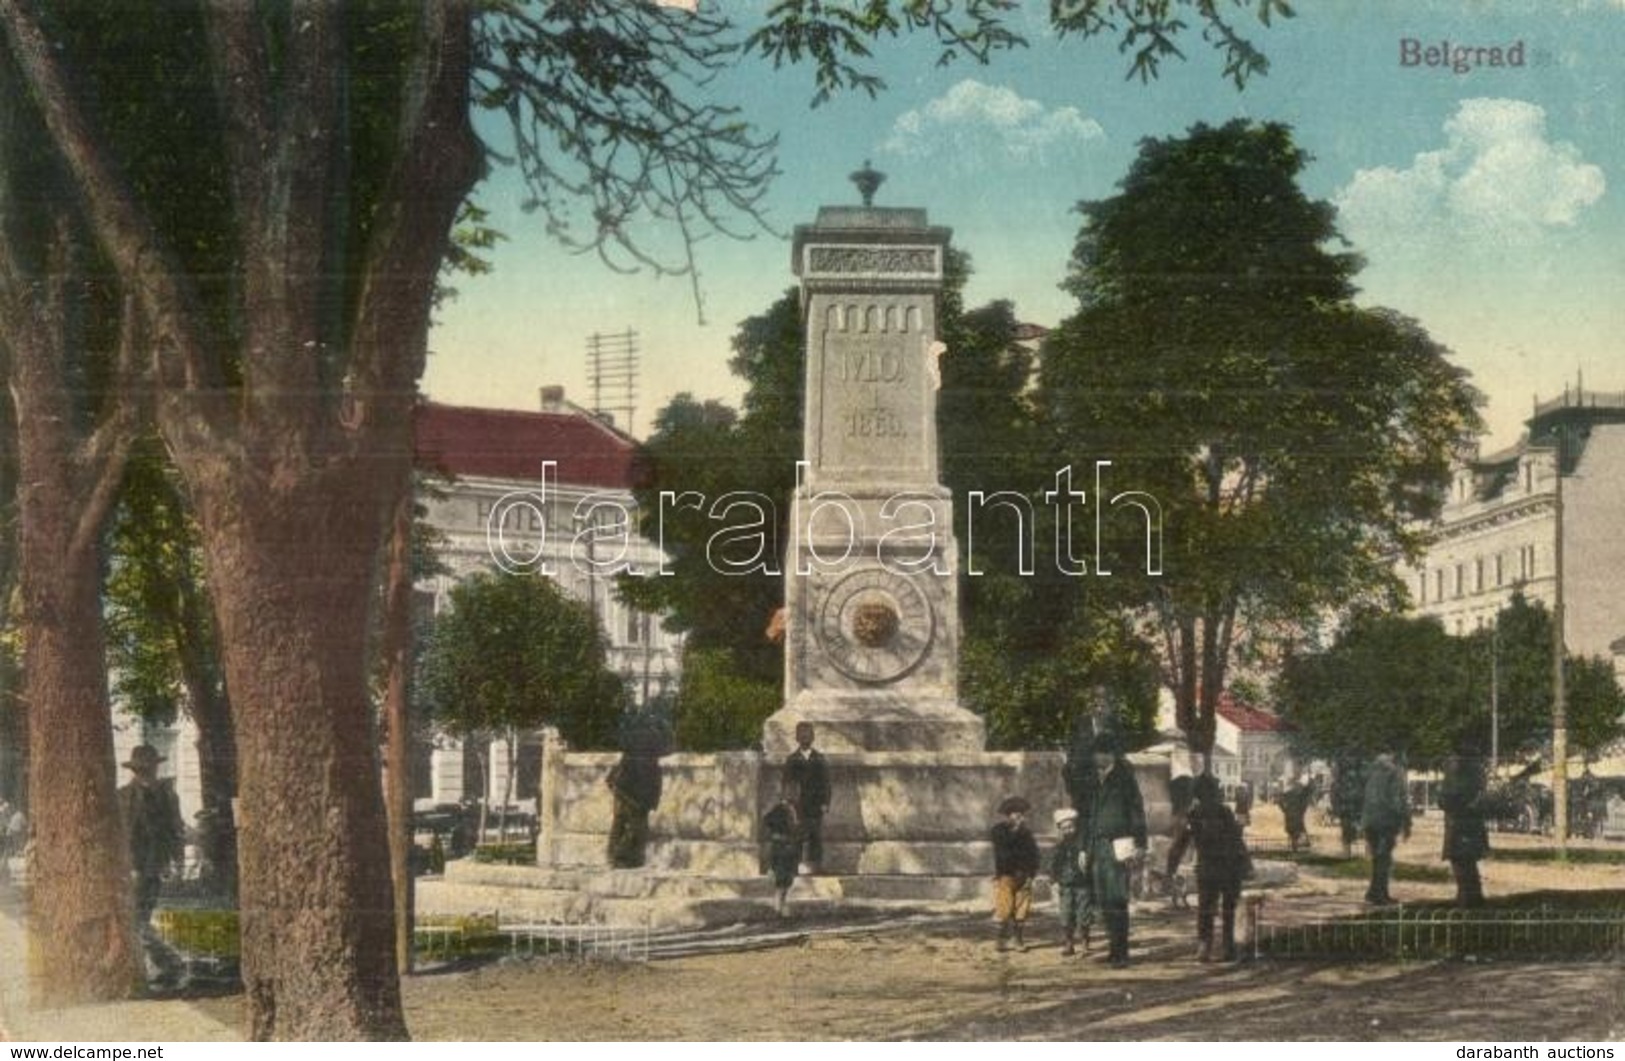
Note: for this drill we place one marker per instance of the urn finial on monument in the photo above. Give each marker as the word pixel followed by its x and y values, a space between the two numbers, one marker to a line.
pixel 871 598
pixel 868 179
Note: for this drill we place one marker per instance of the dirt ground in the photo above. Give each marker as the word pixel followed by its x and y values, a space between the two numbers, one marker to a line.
pixel 941 979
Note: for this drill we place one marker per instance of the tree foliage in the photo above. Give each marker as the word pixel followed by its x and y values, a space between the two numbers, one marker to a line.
pixel 514 653
pixel 1289 438
pixel 1395 683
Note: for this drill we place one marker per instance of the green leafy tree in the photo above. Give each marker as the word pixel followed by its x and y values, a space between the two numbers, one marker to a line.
pixel 1387 684
pixel 513 653
pixel 1289 439
pixel 1397 683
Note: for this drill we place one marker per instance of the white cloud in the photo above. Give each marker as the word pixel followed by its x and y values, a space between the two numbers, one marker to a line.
pixel 1498 179
pixel 973 119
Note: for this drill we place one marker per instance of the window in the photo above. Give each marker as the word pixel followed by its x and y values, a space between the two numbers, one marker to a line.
pixel 1438 584
pixel 1500 569
pixel 1422 589
pixel 1478 575
pixel 636 623
pixel 1461 579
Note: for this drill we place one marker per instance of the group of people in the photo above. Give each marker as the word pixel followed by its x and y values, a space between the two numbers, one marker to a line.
pixel 1102 840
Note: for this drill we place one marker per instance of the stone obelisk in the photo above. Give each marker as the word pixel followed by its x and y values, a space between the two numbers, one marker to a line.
pixel 872 617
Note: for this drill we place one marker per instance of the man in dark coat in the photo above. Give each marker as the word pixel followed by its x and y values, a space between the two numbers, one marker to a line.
pixel 157 837
pixel 1386 814
pixel 1222 864
pixel 1117 839
pixel 806 777
pixel 1466 838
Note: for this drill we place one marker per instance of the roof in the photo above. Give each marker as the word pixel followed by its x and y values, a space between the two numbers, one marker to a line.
pixel 513 444
pixel 1247 718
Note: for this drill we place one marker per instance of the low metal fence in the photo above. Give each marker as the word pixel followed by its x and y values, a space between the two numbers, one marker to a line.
pixel 574 940
pixel 1424 933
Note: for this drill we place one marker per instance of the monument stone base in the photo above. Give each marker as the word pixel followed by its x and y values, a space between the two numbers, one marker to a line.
pixel 875 721
pixel 893 815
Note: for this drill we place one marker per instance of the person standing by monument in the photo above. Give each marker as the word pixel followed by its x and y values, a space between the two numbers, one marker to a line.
pixel 636 784
pixel 1386 814
pixel 1015 864
pixel 1117 839
pixel 1466 838
pixel 783 850
pixel 806 776
pixel 157 838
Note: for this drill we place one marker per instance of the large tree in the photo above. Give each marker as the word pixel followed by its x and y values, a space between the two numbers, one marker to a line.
pixel 1290 438
pixel 273 186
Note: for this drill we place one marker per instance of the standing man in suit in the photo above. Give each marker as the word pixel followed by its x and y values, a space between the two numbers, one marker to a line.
pixel 1117 839
pixel 806 777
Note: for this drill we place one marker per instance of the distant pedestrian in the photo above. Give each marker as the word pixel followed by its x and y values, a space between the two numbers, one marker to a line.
pixel 1068 871
pixel 1294 802
pixel 806 775
pixel 1348 800
pixel 1222 863
pixel 1466 838
pixel 1116 838
pixel 1244 803
pixel 783 831
pixel 1015 864
pixel 1386 815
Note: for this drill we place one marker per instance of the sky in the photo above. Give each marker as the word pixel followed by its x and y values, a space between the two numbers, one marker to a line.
pixel 1487 203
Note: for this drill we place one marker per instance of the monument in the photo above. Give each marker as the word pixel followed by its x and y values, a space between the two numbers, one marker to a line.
pixel 872 620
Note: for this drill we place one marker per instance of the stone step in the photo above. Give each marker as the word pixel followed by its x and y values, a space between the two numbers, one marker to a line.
pixel 674 901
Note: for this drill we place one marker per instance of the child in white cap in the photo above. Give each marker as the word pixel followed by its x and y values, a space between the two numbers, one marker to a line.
pixel 1071 877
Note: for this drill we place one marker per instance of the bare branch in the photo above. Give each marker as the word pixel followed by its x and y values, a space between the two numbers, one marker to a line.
pixel 606 136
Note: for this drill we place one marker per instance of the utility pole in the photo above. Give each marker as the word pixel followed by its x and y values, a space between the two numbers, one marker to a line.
pixel 1560 721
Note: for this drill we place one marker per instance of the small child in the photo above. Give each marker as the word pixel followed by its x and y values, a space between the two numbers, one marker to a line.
pixel 1015 864
pixel 1071 881
pixel 1222 863
pixel 783 849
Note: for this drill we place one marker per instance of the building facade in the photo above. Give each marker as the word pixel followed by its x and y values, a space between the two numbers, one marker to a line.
pixel 1498 531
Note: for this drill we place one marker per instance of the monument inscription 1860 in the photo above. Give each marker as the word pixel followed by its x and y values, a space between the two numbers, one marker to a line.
pixel 872 621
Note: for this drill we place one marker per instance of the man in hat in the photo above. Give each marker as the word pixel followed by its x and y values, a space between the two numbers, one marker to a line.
pixel 157 837
pixel 1116 840
pixel 1015 864
pixel 1066 869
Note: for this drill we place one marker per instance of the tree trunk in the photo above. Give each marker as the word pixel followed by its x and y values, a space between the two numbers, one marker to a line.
pixel 397 651
pixel 291 577
pixel 81 942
